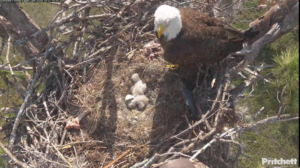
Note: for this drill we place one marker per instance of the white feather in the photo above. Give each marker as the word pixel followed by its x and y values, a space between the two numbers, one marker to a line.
pixel 170 17
pixel 128 97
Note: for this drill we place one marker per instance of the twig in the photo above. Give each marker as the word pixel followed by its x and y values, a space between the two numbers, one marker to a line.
pixel 243 86
pixel 250 127
pixel 206 136
pixel 229 6
pixel 273 119
pixel 45 159
pixel 281 108
pixel 118 158
pixel 222 161
pixel 26 100
pixel 240 151
pixel 151 160
pixel 7 54
pixel 62 157
pixel 24 165
pixel 82 142
pixel 204 117
pixel 138 165
pixel 256 114
pixel 204 147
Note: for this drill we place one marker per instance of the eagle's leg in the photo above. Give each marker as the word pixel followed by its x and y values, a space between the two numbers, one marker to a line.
pixel 172 66
pixel 189 101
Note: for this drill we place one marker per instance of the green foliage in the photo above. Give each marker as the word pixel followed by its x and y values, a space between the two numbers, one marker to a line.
pixel 2 161
pixel 279 140
pixel 11 93
pixel 281 44
pixel 285 73
pixel 287 69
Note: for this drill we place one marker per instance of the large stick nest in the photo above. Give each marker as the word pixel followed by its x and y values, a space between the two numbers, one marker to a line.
pixel 95 78
pixel 89 73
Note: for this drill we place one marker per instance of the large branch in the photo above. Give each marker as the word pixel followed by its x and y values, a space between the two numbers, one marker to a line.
pixel 22 24
pixel 26 50
pixel 279 20
pixel 274 119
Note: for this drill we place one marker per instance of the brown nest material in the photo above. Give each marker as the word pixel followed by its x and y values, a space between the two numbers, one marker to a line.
pixel 93 78
pixel 153 130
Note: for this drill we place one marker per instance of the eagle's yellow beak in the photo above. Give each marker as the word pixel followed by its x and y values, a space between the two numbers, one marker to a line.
pixel 161 30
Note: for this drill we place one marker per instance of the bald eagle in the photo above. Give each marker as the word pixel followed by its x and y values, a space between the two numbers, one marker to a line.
pixel 189 37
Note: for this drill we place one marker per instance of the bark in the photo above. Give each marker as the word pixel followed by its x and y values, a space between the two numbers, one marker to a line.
pixel 15 22
pixel 279 20
pixel 277 14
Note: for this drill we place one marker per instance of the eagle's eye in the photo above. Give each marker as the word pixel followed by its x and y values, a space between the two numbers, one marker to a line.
pixel 166 23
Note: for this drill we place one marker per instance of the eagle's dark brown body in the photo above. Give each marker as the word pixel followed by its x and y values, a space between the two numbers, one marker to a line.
pixel 202 39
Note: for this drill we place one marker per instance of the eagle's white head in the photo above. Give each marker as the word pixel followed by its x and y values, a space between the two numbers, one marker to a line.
pixel 167 22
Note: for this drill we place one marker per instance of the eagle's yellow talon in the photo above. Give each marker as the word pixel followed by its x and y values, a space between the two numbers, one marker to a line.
pixel 173 66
